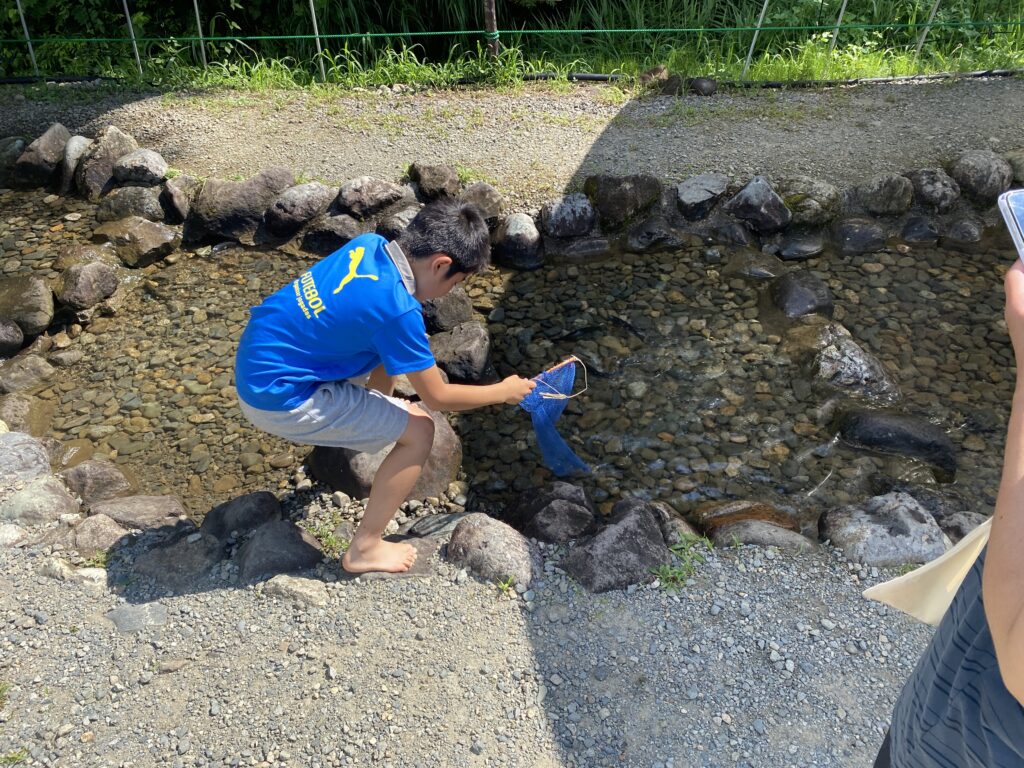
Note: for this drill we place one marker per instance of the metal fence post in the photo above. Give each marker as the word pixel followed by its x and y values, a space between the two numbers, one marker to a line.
pixel 924 32
pixel 750 53
pixel 24 26
pixel 839 23
pixel 131 31
pixel 319 50
pixel 199 28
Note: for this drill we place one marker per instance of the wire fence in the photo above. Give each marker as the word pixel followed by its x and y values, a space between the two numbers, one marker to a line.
pixel 491 36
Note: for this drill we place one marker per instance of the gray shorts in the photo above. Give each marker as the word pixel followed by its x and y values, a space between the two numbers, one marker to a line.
pixel 340 414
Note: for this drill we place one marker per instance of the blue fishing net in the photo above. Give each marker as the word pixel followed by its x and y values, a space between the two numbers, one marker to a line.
pixel 545 412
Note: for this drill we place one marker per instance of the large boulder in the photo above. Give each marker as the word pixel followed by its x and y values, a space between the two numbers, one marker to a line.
pixel 85 285
pixel 180 562
pixel 759 206
pixel 95 173
pixel 177 197
pixel 464 353
pixel 40 500
pixel 516 243
pixel 279 546
pixel 143 166
pixel 394 224
pixel 812 202
pixel 329 232
pixel 901 434
pixel 620 199
pixel 982 174
pixel 655 233
pixel 493 551
pixel 448 311
pixel 352 473
pixel 131 201
pixel 627 551
pixel 296 206
pixel 22 458
pixel 11 148
pixel 74 151
pixel 91 536
pixel 934 188
pixel 801 293
pixel 241 515
pixel 856 235
pixel 801 245
pixel 435 181
pixel 28 301
pixel 24 372
pixel 888 194
pixel 95 480
pixel 712 515
pixel 485 197
pixel 365 196
pixel 40 163
pixel 139 242
pixel 884 531
pixel 1015 157
pixel 529 503
pixel 234 209
pixel 761 533
pixel 11 337
pixel 568 216
pixel 696 196
pixel 141 511
pixel 842 363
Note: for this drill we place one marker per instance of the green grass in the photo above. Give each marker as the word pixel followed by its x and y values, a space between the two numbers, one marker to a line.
pixel 687 555
pixel 323 531
pixel 505 585
pixel 4 689
pixel 99 560
pixel 16 757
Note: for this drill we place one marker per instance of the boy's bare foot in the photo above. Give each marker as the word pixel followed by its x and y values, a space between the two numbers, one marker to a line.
pixel 378 555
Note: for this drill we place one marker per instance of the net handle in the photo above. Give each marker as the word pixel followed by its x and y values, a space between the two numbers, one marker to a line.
pixel 555 394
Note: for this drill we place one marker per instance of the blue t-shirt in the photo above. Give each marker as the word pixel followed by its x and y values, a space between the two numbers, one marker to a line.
pixel 955 711
pixel 347 314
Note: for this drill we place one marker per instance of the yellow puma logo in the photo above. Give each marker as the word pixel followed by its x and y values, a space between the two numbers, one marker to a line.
pixel 354 259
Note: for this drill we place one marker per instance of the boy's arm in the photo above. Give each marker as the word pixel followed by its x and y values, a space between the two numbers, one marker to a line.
pixel 381 381
pixel 439 396
pixel 1003 584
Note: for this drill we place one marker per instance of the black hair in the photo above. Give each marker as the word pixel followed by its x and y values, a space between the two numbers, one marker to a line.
pixel 454 228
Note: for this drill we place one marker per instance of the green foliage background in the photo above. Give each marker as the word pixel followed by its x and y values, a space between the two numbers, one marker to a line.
pixel 710 50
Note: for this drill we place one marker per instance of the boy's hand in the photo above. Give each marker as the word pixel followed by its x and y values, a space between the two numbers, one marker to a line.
pixel 516 388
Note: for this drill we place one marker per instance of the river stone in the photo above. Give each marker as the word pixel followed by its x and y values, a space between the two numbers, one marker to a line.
pixel 328 233
pixel 74 151
pixel 143 166
pixel 83 253
pixel 625 552
pixel 41 500
pixel 448 311
pixel 857 235
pixel 884 531
pixel 181 561
pixel 464 352
pixel 656 234
pixel 177 197
pixel 963 234
pixel 297 205
pixel 580 250
pixel 138 241
pixel 516 243
pixel 433 526
pixel 761 533
pixel 712 515
pixel 24 372
pixel 901 434
pixel 560 521
pixel 85 285
pixel 619 199
pixel 95 480
pixel 844 364
pixel 696 196
pixel 11 337
pixel 22 458
pixel 234 209
pixel 28 301
pixel 982 174
pixel 394 224
pixel 485 197
pixel 521 512
pixel 934 188
pixel 10 150
pixel 811 201
pixel 435 180
pixel 801 293
pixel 18 411
pixel 888 194
pixel 493 550
pixel 352 472
pixel 800 246
pixel 11 535
pixel 131 201
pixel 95 173
pixel 40 163
pixel 92 535
pixel 568 216
pixel 279 546
pixel 1015 157
pixel 759 206
pixel 950 508
pixel 753 265
pixel 921 230
pixel 724 230
pixel 135 618
pixel 241 515
pixel 364 196
pixel 141 511
pixel 309 591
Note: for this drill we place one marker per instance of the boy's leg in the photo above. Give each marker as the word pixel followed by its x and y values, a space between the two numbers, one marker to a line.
pixel 380 381
pixel 396 476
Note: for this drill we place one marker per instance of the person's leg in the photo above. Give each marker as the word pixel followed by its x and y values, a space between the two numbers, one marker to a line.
pixel 380 381
pixel 396 476
pixel 883 759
